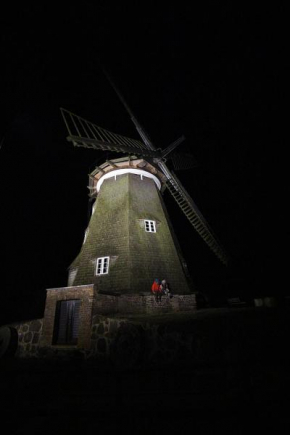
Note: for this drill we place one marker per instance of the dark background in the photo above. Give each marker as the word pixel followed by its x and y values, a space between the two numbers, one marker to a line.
pixel 204 71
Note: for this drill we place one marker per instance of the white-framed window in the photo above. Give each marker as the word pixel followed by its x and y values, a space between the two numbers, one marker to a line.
pixel 102 267
pixel 150 226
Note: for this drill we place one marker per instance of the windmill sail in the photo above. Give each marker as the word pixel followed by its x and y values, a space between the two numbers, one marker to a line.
pixel 85 134
pixel 182 198
pixel 143 134
pixel 195 217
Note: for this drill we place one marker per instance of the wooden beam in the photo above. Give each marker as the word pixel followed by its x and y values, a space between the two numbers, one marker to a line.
pixel 111 163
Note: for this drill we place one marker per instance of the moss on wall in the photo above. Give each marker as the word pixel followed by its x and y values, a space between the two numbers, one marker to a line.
pixel 116 229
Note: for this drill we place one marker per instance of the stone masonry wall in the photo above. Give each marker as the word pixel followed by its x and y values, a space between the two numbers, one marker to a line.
pixel 103 329
pixel 29 334
pixel 103 332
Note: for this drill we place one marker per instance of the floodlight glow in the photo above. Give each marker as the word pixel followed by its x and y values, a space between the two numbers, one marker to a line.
pixel 128 171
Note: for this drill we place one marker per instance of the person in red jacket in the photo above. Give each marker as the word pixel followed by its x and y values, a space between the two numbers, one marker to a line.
pixel 156 290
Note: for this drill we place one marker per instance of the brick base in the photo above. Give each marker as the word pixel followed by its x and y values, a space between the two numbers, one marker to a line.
pixel 86 295
pixel 94 304
pixel 142 304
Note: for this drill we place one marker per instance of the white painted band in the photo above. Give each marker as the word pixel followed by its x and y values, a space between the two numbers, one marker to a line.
pixel 128 171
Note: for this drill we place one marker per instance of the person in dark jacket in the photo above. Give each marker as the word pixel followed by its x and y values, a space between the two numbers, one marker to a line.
pixel 156 290
pixel 165 289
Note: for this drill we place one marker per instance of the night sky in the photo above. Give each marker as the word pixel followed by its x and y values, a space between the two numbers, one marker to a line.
pixel 202 71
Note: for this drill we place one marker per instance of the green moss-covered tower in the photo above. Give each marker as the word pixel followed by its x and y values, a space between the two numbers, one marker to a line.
pixel 129 240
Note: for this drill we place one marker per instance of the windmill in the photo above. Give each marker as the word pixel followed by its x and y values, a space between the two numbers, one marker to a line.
pixel 130 240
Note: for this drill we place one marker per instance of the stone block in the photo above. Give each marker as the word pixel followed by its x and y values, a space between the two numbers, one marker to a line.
pixel 36 338
pixel 35 326
pixel 28 337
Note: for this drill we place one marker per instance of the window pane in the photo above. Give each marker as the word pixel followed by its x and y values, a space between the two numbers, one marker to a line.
pixel 150 226
pixel 102 265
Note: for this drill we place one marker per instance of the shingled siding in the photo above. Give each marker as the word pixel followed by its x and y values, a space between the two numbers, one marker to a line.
pixel 152 255
pixel 117 230
pixel 108 235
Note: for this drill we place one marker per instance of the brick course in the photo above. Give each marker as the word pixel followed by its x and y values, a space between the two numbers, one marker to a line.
pixel 86 296
pixel 146 303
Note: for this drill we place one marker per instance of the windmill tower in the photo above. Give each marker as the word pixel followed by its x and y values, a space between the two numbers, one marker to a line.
pixel 130 240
